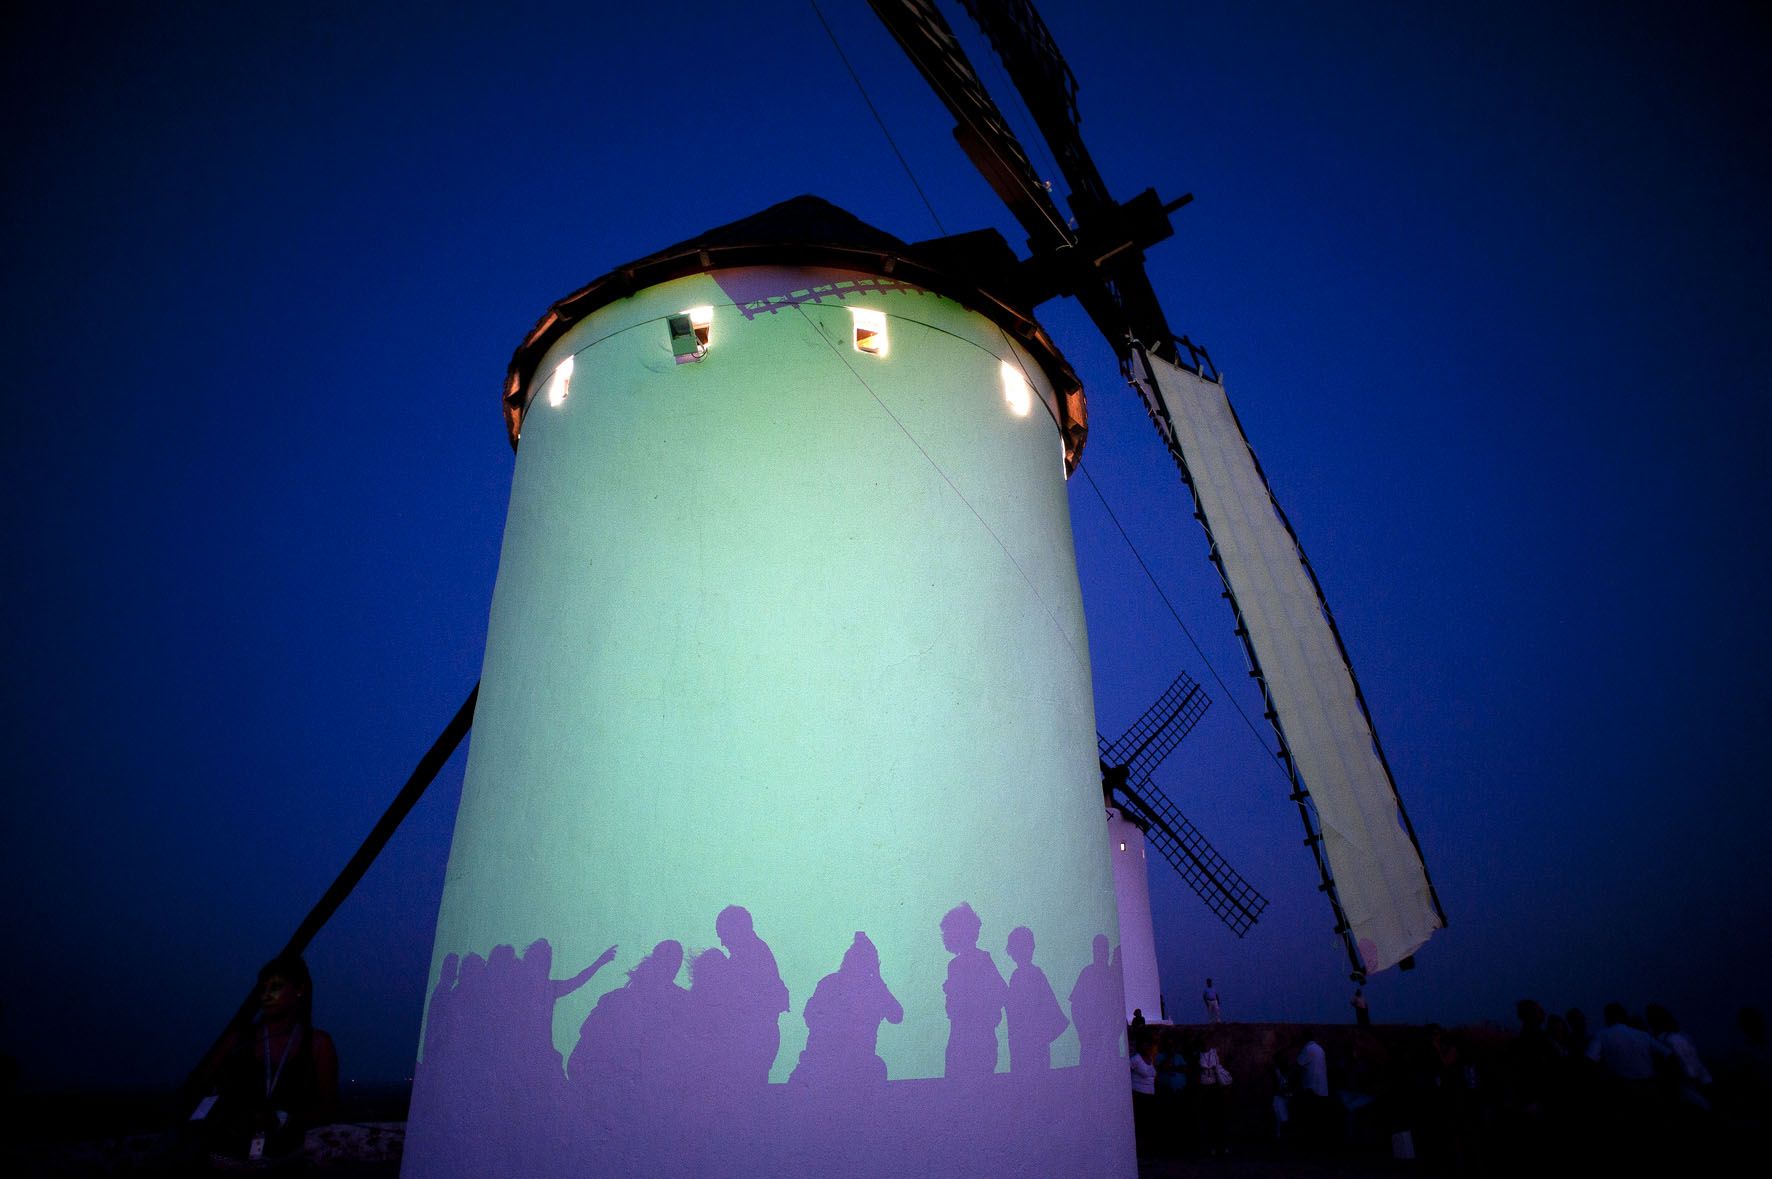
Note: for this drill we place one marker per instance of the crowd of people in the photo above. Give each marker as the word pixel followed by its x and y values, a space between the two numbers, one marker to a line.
pixel 1555 1090
pixel 1634 1090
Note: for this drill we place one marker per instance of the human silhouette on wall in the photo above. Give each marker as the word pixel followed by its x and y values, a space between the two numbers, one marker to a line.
pixel 636 1031
pixel 754 996
pixel 1096 1008
pixel 843 1023
pixel 532 994
pixel 976 994
pixel 651 1088
pixel 1035 1019
pixel 438 1022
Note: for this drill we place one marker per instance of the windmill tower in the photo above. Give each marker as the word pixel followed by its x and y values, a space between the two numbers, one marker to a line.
pixel 784 729
pixel 787 655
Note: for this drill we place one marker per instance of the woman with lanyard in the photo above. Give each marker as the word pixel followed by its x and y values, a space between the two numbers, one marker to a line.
pixel 277 1077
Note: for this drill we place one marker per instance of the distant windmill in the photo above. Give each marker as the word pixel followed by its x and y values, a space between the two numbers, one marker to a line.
pixel 1126 766
pixel 1140 815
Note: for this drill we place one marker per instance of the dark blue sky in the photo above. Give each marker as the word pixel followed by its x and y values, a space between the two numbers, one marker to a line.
pixel 1490 288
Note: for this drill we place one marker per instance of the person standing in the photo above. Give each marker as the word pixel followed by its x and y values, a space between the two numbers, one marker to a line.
pixel 1096 1010
pixel 273 1078
pixel 757 996
pixel 1311 1095
pixel 1172 1079
pixel 1214 1095
pixel 1210 997
pixel 1694 1079
pixel 1362 1015
pixel 1144 1093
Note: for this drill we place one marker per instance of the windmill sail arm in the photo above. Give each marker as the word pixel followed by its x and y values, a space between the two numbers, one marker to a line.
pixel 1112 235
pixel 983 133
pixel 1154 735
pixel 1099 257
pixel 1365 847
pixel 1049 89
pixel 1226 893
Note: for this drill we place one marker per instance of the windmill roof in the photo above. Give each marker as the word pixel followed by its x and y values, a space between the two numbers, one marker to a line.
pixel 977 270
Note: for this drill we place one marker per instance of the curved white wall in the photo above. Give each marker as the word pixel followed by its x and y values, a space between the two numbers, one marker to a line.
pixel 794 628
pixel 1138 940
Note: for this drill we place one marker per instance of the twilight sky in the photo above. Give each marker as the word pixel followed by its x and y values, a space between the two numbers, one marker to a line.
pixel 1489 285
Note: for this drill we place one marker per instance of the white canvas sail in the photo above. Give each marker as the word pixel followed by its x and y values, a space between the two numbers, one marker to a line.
pixel 1377 869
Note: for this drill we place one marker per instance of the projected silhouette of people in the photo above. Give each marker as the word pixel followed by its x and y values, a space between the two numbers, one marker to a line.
pixel 843 1022
pixel 636 1029
pixel 976 994
pixel 471 976
pixel 1035 1019
pixel 440 1016
pixel 467 1010
pixel 500 1016
pixel 712 1008
pixel 1096 1008
pixel 534 993
pixel 751 990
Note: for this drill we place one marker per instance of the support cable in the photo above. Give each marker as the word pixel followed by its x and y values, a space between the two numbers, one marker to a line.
pixel 890 142
pixel 948 479
pixel 1156 585
pixel 1019 104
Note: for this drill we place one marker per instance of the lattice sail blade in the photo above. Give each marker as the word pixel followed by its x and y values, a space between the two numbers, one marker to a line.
pixel 1155 735
pixel 1226 893
pixel 1375 870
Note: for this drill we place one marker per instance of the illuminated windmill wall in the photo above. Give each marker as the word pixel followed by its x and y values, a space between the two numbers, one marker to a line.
pixel 1138 937
pixel 786 680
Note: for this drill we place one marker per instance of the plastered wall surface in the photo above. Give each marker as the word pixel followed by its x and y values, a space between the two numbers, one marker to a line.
pixel 786 699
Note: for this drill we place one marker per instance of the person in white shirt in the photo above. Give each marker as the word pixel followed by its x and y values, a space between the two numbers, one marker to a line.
pixel 1694 1077
pixel 1313 1067
pixel 1311 1098
pixel 1627 1054
pixel 1214 1094
pixel 1144 1068
pixel 1144 1092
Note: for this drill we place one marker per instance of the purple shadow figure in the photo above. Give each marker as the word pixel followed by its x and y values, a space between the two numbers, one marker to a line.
pixel 1097 1008
pixel 975 994
pixel 1035 1019
pixel 533 999
pixel 650 1090
pixel 636 1032
pixel 843 1023
pixel 489 1052
pixel 753 994
pixel 438 1016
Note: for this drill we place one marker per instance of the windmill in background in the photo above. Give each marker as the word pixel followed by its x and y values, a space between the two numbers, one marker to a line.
pixel 1140 815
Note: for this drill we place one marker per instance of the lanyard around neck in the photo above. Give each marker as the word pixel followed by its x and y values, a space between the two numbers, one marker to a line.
pixel 271 1078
